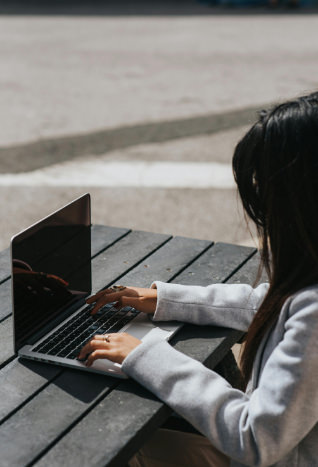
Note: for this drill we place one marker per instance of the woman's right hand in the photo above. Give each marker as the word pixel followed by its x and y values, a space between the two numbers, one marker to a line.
pixel 142 299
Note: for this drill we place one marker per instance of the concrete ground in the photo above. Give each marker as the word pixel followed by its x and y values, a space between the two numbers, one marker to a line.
pixel 164 96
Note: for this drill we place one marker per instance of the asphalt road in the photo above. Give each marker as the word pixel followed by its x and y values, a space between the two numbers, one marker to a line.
pixel 91 102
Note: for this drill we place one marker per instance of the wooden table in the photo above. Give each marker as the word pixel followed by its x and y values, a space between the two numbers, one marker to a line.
pixel 55 417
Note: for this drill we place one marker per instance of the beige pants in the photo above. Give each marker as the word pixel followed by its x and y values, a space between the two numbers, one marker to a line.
pixel 171 448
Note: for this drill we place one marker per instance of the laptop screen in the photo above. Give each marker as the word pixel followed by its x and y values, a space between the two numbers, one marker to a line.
pixel 51 268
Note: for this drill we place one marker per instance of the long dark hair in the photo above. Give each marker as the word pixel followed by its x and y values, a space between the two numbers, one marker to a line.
pixel 275 166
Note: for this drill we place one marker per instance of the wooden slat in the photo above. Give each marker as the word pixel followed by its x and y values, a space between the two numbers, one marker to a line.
pixel 4 265
pixel 20 379
pixel 66 410
pixel 216 265
pixel 111 265
pixel 6 341
pixel 104 236
pixel 124 428
pixel 167 262
pixel 248 273
pixel 5 299
pixel 29 431
pixel 128 405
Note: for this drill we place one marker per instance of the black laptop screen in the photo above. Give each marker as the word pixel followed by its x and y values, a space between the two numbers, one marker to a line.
pixel 51 268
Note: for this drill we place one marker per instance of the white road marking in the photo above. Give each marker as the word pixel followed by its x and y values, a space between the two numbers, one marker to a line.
pixel 99 173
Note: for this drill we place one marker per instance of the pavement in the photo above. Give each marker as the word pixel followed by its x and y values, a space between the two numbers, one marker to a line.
pixel 143 110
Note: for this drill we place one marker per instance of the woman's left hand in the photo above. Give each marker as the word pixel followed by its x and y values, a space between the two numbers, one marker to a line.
pixel 114 347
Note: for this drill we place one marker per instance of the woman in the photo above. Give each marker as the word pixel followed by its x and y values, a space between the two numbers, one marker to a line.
pixel 274 421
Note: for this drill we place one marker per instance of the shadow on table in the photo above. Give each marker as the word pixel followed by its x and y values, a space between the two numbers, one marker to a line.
pixel 82 385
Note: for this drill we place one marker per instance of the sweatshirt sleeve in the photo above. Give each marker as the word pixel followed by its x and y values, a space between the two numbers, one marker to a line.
pixel 257 429
pixel 228 305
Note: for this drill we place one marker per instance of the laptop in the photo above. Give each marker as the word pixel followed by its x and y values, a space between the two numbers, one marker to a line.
pixel 51 280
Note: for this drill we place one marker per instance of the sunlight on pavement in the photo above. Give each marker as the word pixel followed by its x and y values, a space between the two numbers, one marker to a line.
pixel 98 173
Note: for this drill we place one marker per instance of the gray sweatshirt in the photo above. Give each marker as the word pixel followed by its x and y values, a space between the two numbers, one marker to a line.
pixel 275 421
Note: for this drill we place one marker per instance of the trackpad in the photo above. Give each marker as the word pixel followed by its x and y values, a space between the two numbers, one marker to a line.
pixel 142 331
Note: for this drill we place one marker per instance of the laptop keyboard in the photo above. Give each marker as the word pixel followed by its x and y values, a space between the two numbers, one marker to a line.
pixel 68 340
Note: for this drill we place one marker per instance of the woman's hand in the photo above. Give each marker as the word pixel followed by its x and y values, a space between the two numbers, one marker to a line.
pixel 142 299
pixel 115 347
